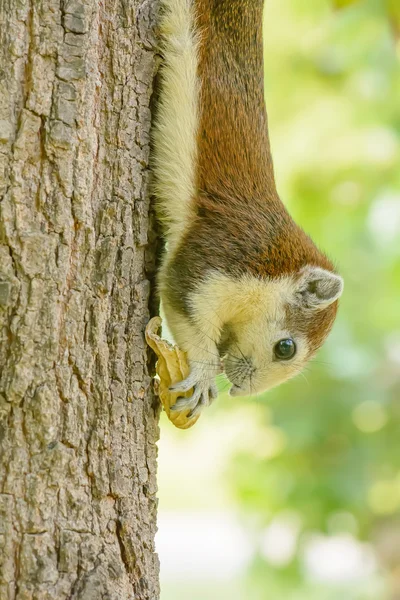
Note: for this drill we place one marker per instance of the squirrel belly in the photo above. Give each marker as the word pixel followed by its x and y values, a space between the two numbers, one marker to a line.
pixel 242 286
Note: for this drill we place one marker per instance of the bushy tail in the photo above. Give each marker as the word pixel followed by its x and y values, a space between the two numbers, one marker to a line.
pixel 175 128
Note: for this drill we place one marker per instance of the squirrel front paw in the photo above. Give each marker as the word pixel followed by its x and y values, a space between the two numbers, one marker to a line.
pixel 204 392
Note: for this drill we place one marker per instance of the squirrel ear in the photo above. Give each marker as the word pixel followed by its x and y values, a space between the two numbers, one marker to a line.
pixel 318 288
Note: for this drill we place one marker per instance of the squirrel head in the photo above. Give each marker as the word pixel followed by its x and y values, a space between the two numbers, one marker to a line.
pixel 274 326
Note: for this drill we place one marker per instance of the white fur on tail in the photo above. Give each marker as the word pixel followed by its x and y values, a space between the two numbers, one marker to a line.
pixel 175 130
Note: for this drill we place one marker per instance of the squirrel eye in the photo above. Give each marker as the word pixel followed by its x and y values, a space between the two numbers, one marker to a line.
pixel 285 349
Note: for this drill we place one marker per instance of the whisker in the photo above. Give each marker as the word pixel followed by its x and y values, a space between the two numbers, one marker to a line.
pixel 203 349
pixel 304 377
pixel 189 343
pixel 299 371
pixel 243 356
pixel 237 372
pixel 322 362
pixel 213 324
pixel 203 362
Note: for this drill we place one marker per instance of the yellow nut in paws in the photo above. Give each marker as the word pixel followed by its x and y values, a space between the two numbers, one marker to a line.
pixel 171 368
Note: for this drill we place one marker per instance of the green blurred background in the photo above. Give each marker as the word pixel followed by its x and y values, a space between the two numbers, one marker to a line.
pixel 296 494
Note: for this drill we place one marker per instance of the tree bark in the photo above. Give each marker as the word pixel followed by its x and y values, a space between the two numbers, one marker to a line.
pixel 78 425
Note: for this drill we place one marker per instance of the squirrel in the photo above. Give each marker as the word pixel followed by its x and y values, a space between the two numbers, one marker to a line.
pixel 243 288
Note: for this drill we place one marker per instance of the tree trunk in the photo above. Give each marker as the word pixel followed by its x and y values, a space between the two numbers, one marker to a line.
pixel 77 420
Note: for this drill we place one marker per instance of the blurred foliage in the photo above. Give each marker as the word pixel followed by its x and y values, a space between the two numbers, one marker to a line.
pixel 332 75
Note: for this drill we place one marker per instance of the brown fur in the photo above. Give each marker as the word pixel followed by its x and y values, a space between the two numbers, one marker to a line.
pixel 241 225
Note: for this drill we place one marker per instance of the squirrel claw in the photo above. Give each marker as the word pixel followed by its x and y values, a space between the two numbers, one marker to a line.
pixel 185 403
pixel 203 395
pixel 185 385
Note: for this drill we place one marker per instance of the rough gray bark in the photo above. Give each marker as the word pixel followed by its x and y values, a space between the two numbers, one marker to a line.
pixel 77 425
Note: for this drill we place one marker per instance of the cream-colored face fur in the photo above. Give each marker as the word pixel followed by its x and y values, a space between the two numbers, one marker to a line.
pixel 250 363
pixel 253 312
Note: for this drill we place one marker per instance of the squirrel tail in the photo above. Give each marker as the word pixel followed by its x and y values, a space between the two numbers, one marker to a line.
pixel 176 123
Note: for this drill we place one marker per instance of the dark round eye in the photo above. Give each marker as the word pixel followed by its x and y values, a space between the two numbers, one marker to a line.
pixel 285 349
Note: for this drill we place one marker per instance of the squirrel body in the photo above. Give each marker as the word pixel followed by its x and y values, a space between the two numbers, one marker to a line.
pixel 241 284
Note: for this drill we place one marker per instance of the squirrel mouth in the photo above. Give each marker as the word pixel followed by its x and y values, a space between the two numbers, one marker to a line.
pixel 237 390
pixel 234 391
pixel 238 371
